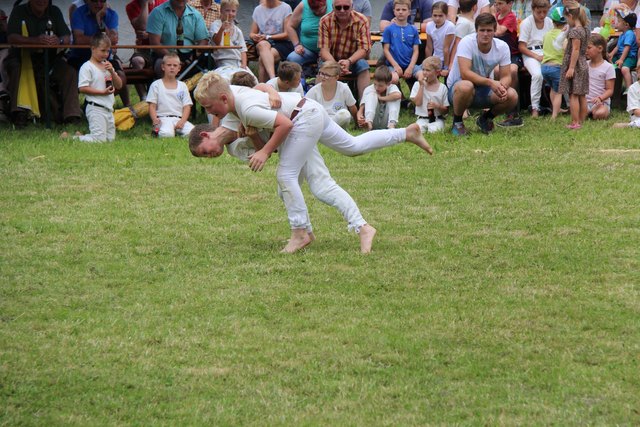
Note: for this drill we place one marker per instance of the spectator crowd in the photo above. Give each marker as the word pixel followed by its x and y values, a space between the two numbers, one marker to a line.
pixel 456 57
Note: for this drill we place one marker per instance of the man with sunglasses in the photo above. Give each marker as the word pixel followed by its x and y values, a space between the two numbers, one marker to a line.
pixel 45 25
pixel 176 23
pixel 344 37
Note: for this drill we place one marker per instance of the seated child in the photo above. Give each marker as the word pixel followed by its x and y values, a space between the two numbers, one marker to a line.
pixel 334 96
pixel 532 31
pixel 380 105
pixel 633 106
pixel 441 34
pixel 553 53
pixel 430 97
pixel 602 77
pixel 507 31
pixel 228 60
pixel 400 43
pixel 625 54
pixel 169 101
pixel 288 80
pixel 98 80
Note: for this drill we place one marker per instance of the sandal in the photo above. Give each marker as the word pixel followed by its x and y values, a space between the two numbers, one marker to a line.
pixel 574 126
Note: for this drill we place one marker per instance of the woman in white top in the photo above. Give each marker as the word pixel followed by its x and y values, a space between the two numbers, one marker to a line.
pixel 268 33
pixel 334 96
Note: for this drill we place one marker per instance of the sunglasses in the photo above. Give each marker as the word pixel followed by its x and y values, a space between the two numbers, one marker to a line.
pixel 342 7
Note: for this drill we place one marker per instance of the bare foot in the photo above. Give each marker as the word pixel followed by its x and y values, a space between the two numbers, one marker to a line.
pixel 535 114
pixel 369 125
pixel 299 240
pixel 414 135
pixel 367 233
pixel 64 135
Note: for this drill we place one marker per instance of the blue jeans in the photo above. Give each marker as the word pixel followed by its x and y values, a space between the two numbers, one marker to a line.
pixel 308 57
pixel 551 76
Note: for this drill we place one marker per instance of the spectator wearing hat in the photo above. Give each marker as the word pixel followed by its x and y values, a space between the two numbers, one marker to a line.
pixel 625 54
pixel 552 53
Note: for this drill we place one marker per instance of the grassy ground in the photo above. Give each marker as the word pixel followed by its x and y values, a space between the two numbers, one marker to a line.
pixel 143 286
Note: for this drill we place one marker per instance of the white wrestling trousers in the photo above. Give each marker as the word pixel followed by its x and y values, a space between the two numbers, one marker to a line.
pixel 298 148
pixel 102 125
pixel 168 127
pixel 535 69
pixel 373 113
pixel 321 184
pixel 432 127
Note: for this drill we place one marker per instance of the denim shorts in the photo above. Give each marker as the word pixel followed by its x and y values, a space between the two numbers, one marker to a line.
pixel 416 69
pixel 481 98
pixel 551 76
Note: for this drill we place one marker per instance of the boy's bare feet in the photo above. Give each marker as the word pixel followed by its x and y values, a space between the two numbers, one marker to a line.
pixel 299 240
pixel 414 135
pixel 367 233
pixel 535 114
pixel 64 135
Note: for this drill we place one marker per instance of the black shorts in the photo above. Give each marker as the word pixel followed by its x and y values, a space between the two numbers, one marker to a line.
pixel 284 47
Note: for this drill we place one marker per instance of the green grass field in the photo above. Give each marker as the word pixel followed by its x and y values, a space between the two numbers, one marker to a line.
pixel 143 286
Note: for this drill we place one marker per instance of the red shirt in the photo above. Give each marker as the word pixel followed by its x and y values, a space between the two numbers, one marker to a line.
pixel 133 8
pixel 511 36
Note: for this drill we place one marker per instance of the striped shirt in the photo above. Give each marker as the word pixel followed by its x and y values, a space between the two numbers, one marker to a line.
pixel 209 14
pixel 343 42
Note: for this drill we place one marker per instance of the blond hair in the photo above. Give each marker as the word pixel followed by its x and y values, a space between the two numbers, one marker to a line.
pixel 233 3
pixel 331 66
pixel 574 9
pixel 170 55
pixel 403 2
pixel 211 85
pixel 432 63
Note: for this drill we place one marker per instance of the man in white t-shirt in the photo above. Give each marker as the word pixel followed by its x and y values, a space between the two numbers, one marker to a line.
pixel 471 82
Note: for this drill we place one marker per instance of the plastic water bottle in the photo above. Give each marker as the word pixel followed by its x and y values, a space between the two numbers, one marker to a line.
pixel 49 30
pixel 180 34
